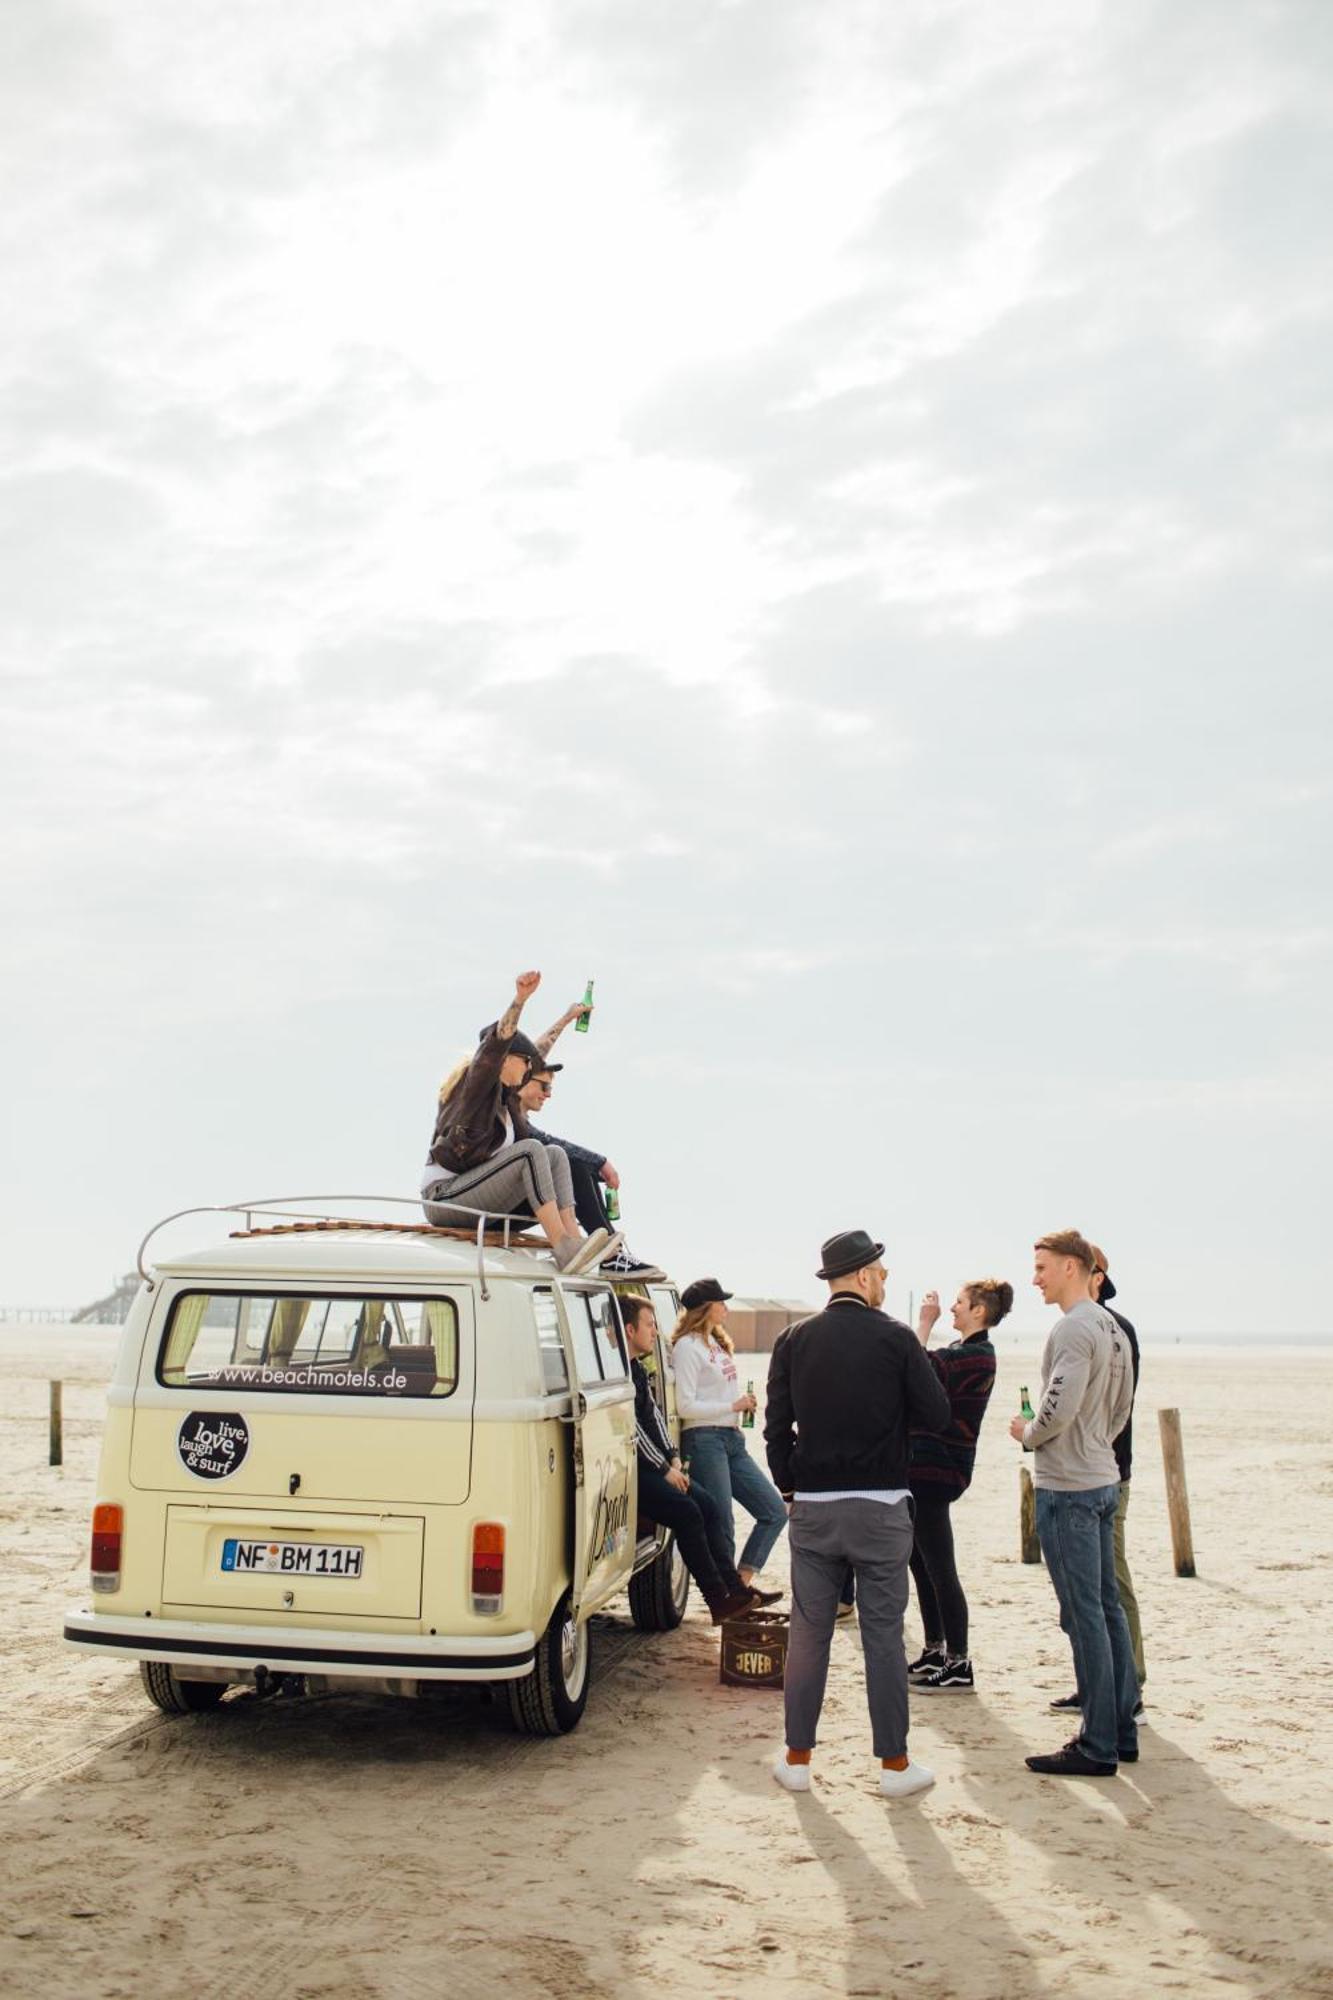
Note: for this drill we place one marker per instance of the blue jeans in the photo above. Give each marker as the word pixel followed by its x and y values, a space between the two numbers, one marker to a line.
pixel 1077 1535
pixel 720 1464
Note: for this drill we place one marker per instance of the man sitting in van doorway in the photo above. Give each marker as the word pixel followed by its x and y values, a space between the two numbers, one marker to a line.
pixel 665 1493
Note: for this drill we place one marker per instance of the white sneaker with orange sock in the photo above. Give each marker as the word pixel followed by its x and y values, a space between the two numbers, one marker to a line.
pixel 792 1777
pixel 895 1784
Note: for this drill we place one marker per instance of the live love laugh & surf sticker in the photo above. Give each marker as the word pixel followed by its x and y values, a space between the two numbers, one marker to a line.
pixel 212 1446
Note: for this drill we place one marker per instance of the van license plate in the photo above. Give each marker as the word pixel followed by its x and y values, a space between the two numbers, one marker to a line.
pixel 293 1558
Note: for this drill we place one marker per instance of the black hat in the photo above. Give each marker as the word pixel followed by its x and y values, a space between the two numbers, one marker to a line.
pixel 848 1252
pixel 521 1045
pixel 703 1292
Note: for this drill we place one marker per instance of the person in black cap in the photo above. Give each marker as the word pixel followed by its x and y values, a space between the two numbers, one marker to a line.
pixel 482 1157
pixel 844 1389
pixel 710 1404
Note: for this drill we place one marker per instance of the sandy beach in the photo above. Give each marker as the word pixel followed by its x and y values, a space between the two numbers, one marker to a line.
pixel 363 1849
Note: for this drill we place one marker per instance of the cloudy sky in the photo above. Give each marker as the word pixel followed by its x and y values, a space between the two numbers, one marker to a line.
pixel 814 516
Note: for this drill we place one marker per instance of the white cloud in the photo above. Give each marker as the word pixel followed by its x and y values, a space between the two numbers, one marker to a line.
pixel 822 517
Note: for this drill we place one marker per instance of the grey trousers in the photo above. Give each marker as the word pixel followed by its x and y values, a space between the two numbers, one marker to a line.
pixel 875 1537
pixel 526 1172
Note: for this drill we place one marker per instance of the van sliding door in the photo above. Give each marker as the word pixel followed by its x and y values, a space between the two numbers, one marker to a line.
pixel 605 1460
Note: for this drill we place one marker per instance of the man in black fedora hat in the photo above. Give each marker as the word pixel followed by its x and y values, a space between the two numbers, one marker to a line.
pixel 844 1389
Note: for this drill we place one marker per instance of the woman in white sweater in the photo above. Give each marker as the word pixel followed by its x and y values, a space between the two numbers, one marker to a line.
pixel 709 1404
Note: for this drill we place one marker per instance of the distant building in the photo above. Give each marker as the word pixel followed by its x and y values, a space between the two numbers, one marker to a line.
pixel 754 1324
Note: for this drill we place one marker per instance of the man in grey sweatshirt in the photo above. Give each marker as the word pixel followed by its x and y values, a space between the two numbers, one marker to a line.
pixel 1087 1388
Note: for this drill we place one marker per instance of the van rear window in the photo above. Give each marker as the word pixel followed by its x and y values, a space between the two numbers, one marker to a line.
pixel 304 1343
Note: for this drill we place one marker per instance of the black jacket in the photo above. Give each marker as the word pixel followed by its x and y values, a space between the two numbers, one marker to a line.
pixel 652 1438
pixel 844 1389
pixel 1123 1446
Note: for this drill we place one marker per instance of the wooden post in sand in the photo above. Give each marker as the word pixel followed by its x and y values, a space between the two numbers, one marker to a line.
pixel 1027 1517
pixel 1177 1499
pixel 57 1431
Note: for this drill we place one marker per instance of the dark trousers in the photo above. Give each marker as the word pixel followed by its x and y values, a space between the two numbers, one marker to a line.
pixel 694 1520
pixel 935 1574
pixel 588 1204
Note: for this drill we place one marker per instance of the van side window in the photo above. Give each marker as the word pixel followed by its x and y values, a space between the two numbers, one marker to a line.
pixel 586 1344
pixel 298 1344
pixel 555 1374
pixel 610 1340
pixel 666 1306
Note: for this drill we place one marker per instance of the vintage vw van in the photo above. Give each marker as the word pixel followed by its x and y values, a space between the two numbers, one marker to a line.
pixel 376 1457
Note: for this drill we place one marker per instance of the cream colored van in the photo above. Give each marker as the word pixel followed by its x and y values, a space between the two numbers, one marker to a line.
pixel 373 1457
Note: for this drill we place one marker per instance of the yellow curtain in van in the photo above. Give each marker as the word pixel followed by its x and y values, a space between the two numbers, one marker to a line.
pixel 289 1316
pixel 186 1321
pixel 439 1325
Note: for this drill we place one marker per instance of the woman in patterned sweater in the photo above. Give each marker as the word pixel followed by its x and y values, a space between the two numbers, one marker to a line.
pixel 941 1470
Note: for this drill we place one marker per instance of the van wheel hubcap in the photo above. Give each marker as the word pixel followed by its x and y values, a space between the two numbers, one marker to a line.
pixel 573 1656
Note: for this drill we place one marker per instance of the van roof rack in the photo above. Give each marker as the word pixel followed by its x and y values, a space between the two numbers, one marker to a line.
pixel 511 1229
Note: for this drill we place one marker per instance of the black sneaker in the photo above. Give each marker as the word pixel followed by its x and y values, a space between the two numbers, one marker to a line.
pixel 929 1663
pixel 954 1677
pixel 1070 1703
pixel 1071 1762
pixel 626 1265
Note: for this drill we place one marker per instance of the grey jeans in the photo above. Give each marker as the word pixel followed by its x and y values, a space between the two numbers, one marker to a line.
pixel 526 1172
pixel 875 1537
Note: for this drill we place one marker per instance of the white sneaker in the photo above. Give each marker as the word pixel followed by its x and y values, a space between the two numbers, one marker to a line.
pixel 901 1784
pixel 591 1251
pixel 792 1777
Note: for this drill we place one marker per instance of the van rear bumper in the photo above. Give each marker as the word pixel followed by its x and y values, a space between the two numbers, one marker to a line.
pixel 184 1642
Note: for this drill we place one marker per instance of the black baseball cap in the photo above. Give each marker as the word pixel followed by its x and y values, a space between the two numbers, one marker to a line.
pixel 704 1292
pixel 523 1045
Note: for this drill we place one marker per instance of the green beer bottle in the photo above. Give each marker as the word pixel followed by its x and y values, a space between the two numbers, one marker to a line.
pixel 1025 1408
pixel 611 1203
pixel 581 1025
pixel 747 1416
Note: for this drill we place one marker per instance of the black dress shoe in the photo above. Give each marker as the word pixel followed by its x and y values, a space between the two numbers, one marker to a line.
pixel 767 1596
pixel 735 1605
pixel 1070 1763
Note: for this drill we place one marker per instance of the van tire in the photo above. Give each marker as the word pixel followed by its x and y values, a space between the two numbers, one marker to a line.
pixel 173 1696
pixel 551 1699
pixel 658 1594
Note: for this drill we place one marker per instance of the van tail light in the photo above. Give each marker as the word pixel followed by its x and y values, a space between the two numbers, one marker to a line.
pixel 488 1568
pixel 108 1533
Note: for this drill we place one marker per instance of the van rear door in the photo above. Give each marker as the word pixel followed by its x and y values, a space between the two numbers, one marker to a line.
pixel 304 1398
pixel 605 1458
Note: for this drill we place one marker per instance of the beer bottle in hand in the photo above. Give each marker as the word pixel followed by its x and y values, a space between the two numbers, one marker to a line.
pixel 581 1025
pixel 611 1203
pixel 1025 1408
pixel 747 1416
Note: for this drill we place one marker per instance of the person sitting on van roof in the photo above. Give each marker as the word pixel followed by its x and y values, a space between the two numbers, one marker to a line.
pixel 587 1170
pixel 665 1492
pixel 483 1157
